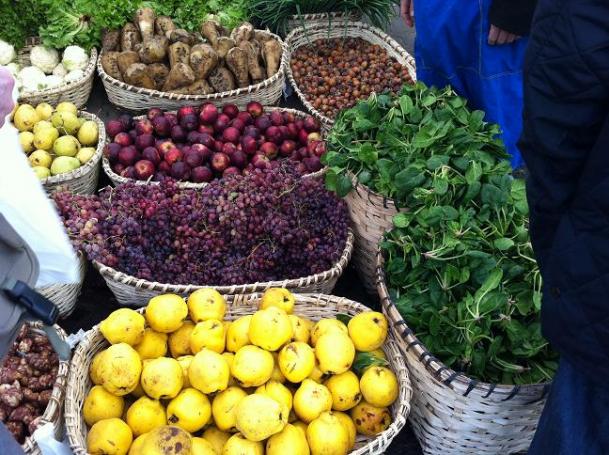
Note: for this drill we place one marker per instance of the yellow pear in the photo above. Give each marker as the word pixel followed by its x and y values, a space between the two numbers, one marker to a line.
pixel 258 417
pixel 206 303
pixel 166 313
pixel 40 158
pixel 278 392
pixel 368 330
pixel 349 426
pixel 326 435
pixel 311 399
pixel 216 438
pixel 45 138
pixel 201 446
pixel 44 111
pixel 109 437
pixel 335 353
pixel 66 106
pixel 208 334
pixel 379 386
pixel 153 345
pixel 100 404
pixel 224 408
pixel 179 341
pixel 278 297
pixel 296 361
pixel 270 328
pixel 290 440
pixel 252 366
pixel 120 369
pixel 25 117
pixel 300 329
pixel 144 415
pixel 123 326
pixel 317 375
pixel 136 446
pixel 26 139
pixel 345 390
pixel 167 440
pixel 42 173
pixel 208 372
pixel 190 410
pixel 238 445
pixel 326 326
pixel 237 333
pixel 88 133
pixel 370 420
pixel 162 378
pixel 184 362
pixel 94 368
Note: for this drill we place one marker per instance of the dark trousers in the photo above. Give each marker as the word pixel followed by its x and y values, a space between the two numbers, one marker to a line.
pixel 575 420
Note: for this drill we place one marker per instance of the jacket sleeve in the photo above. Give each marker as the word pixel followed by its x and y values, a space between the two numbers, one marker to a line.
pixel 513 16
pixel 566 102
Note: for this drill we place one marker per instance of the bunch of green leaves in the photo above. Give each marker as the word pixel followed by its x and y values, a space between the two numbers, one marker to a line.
pixel 459 263
pixel 20 19
pixel 189 14
pixel 275 14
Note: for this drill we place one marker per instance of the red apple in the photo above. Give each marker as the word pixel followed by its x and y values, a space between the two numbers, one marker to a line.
pixel 246 118
pixel 231 134
pixel 206 129
pixel 249 145
pixel 203 151
pixel 164 167
pixel 229 148
pixel 238 159
pixel 144 140
pixel 164 146
pixel 276 118
pixel 144 126
pixel 180 170
pixel 128 172
pixel 231 110
pixel 154 112
pixel 311 124
pixel 151 154
pixel 193 158
pixel 261 161
pixel 273 134
pixel 123 139
pixel 144 169
pixel 208 114
pixel 255 109
pixel 287 147
pixel 127 156
pixel 231 171
pixel 201 174
pixel 111 152
pixel 186 110
pixel 174 155
pixel 219 162
pixel 114 127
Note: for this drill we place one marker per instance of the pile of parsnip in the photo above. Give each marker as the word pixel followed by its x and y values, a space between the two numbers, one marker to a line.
pixel 152 53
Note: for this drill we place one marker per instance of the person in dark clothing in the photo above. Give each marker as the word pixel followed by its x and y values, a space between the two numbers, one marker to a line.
pixel 478 48
pixel 565 144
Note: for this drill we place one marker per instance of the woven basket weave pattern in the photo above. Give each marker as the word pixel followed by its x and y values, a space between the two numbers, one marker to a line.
pixel 314 306
pixel 371 215
pixel 334 19
pixel 54 412
pixel 84 179
pixel 455 414
pixel 65 296
pixel 136 292
pixel 75 92
pixel 118 180
pixel 125 96
pixel 309 34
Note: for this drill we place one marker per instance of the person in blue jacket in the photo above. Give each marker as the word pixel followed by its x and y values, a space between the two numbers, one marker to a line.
pixel 565 144
pixel 477 47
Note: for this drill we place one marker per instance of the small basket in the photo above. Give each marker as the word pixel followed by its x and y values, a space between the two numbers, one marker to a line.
pixel 53 413
pixel 455 414
pixel 118 180
pixel 131 98
pixel 136 292
pixel 303 36
pixel 75 92
pixel 371 215
pixel 334 19
pixel 65 296
pixel 312 306
pixel 84 179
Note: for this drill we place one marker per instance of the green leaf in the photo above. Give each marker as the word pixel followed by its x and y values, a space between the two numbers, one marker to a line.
pixel 367 154
pixel 503 243
pixel 401 220
pixel 343 185
pixel 365 360
pixel 344 318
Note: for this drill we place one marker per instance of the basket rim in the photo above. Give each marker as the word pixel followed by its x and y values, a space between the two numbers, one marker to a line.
pixel 52 413
pixel 119 179
pixel 349 27
pixel 106 78
pixel 89 165
pixel 444 374
pixel 109 273
pixel 357 187
pixel 65 87
pixel 397 364
pixel 314 16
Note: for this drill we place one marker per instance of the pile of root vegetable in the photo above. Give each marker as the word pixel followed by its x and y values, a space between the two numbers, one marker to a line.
pixel 27 378
pixel 334 74
pixel 152 53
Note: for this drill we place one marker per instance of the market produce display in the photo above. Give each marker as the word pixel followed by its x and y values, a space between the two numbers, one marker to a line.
pixel 269 382
pixel 56 140
pixel 27 378
pixel 152 53
pixel 276 14
pixel 48 68
pixel 268 225
pixel 334 74
pixel 201 144
pixel 459 263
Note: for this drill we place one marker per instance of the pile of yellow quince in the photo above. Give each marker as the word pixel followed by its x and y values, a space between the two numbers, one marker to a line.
pixel 183 379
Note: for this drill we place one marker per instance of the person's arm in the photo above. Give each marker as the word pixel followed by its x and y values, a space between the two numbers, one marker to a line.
pixel 566 101
pixel 512 16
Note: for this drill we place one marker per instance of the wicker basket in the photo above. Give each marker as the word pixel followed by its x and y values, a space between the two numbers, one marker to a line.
pixel 125 96
pixel 371 215
pixel 118 180
pixel 54 412
pixel 455 414
pixel 84 179
pixel 313 306
pixel 334 19
pixel 75 92
pixel 136 292
pixel 303 36
pixel 65 296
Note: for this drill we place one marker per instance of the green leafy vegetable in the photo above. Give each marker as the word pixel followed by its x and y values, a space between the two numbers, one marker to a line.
pixel 364 360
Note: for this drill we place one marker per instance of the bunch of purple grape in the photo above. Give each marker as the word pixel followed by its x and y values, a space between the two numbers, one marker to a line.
pixel 269 225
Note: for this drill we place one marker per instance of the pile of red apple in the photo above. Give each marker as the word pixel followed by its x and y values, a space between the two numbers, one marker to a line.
pixel 200 144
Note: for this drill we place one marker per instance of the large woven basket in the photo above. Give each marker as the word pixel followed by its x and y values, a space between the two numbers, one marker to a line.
pixel 303 36
pixel 455 414
pixel 371 215
pixel 335 19
pixel 75 92
pixel 65 296
pixel 136 292
pixel 84 179
pixel 312 306
pixel 54 412
pixel 118 180
pixel 267 92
